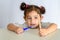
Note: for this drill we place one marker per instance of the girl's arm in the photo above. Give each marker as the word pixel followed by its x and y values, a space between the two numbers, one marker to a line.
pixel 52 28
pixel 45 31
pixel 14 28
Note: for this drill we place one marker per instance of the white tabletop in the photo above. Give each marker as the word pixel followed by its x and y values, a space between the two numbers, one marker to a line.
pixel 31 34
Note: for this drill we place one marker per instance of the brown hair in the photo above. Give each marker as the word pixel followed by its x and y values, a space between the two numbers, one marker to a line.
pixel 29 8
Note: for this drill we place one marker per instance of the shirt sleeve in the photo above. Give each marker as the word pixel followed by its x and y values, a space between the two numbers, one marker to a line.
pixel 45 24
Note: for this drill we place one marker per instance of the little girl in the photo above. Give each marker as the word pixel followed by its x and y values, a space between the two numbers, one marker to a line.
pixel 33 17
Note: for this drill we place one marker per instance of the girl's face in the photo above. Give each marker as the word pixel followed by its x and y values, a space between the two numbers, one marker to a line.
pixel 32 19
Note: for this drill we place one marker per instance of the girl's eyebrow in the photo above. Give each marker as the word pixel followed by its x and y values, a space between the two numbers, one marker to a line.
pixel 34 16
pixel 28 16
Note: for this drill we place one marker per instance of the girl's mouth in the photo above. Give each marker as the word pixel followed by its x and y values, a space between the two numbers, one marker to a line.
pixel 33 26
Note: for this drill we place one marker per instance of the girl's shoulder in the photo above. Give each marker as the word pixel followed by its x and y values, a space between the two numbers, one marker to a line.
pixel 45 24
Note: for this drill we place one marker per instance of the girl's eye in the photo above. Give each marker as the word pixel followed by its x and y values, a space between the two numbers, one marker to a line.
pixel 35 17
pixel 28 18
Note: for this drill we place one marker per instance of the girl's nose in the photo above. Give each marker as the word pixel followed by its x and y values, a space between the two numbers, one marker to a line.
pixel 32 20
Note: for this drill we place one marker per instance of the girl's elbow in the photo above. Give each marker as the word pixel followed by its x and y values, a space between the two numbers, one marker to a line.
pixel 9 25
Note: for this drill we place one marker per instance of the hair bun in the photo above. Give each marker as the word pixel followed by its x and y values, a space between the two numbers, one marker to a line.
pixel 23 6
pixel 42 10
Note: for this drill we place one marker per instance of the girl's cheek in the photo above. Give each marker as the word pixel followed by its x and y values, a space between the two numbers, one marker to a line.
pixel 36 20
pixel 28 22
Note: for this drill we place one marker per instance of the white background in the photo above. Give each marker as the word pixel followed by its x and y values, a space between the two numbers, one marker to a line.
pixel 10 12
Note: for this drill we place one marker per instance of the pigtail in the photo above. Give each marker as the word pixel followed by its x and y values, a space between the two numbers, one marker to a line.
pixel 23 6
pixel 42 9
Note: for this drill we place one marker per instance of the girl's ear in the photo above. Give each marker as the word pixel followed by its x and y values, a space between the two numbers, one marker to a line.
pixel 42 17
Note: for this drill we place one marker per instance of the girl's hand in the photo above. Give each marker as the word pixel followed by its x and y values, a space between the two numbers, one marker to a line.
pixel 19 30
pixel 43 32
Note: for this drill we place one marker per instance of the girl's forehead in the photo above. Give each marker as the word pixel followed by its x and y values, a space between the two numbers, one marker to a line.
pixel 32 13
